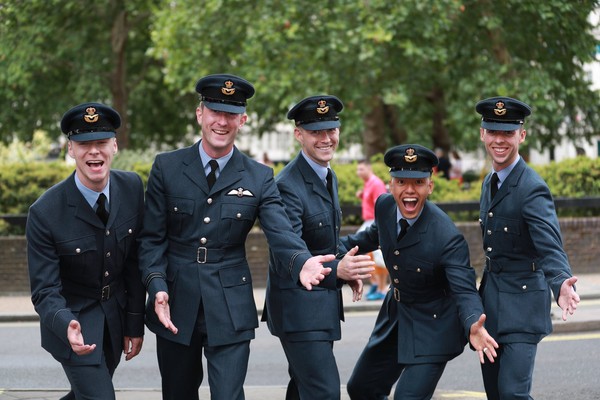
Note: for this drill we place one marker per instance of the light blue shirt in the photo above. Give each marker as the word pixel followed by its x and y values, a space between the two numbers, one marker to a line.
pixel 91 196
pixel 205 158
pixel 503 174
pixel 320 170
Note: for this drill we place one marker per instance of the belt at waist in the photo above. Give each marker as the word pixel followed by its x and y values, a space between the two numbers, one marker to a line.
pixel 406 298
pixel 509 266
pixel 101 294
pixel 202 254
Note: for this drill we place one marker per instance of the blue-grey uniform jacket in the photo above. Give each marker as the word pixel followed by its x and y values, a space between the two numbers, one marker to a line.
pixel 524 256
pixel 291 311
pixel 433 299
pixel 81 270
pixel 193 243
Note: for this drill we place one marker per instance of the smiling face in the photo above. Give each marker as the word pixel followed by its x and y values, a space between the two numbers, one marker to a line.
pixel 410 194
pixel 219 130
pixel 93 160
pixel 502 146
pixel 320 145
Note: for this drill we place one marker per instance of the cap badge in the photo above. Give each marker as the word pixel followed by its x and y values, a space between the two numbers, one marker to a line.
pixel 91 116
pixel 500 110
pixel 228 90
pixel 323 107
pixel 410 156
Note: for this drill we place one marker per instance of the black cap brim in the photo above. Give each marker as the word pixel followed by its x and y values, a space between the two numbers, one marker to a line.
pixel 89 136
pixel 501 126
pixel 321 125
pixel 223 107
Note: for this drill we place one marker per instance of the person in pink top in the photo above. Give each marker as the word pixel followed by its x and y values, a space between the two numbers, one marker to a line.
pixel 372 189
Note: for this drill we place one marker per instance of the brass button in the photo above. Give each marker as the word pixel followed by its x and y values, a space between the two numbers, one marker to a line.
pixel 491 214
pixel 238 215
pixel 396 252
pixel 435 316
pixel 106 273
pixel 395 267
pixel 506 229
pixel 107 254
pixel 524 287
pixel 130 231
pixel 78 250
pixel 209 200
pixel 107 232
pixel 243 279
pixel 489 249
pixel 320 224
pixel 489 232
pixel 418 269
pixel 175 209
pixel 203 240
pixel 396 280
pixel 480 220
pixel 206 220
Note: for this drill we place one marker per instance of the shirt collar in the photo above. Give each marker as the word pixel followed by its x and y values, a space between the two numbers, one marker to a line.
pixel 90 195
pixel 320 170
pixel 205 158
pixel 503 173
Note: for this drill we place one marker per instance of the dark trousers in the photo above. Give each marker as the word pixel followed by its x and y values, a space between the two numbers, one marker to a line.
pixel 511 375
pixel 182 373
pixel 313 370
pixel 93 382
pixel 377 369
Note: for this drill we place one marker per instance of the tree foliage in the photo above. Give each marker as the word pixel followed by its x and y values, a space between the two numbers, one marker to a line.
pixel 408 70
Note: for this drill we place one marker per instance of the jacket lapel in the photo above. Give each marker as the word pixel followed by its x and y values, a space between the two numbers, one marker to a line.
pixel 82 209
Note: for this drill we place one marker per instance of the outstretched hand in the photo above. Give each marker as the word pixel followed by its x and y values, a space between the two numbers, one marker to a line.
pixel 568 297
pixel 163 311
pixel 313 271
pixel 482 342
pixel 75 338
pixel 353 267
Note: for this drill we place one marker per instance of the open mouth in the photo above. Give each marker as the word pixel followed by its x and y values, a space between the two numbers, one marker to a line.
pixel 95 164
pixel 410 203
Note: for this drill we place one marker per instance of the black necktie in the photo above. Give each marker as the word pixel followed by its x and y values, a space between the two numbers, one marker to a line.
pixel 211 178
pixel 494 184
pixel 101 210
pixel 404 225
pixel 330 183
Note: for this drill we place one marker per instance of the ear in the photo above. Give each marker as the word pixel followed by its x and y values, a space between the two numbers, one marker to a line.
pixel 481 134
pixel 431 185
pixel 116 147
pixel 199 114
pixel 243 119
pixel 70 149
pixel 522 135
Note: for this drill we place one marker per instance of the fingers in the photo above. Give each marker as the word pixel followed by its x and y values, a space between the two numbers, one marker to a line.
pixel 162 310
pixel 132 346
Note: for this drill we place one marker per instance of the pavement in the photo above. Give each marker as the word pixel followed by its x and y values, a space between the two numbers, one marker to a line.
pixel 18 308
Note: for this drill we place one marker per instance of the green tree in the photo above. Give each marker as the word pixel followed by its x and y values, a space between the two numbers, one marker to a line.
pixel 55 54
pixel 406 70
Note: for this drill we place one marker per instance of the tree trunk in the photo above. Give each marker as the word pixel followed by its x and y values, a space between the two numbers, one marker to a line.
pixel 380 121
pixel 119 32
pixel 440 135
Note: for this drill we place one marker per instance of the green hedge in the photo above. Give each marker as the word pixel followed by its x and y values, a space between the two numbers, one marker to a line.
pixel 22 183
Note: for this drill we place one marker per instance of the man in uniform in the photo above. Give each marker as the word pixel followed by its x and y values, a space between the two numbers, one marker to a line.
pixel 82 254
pixel 525 259
pixel 433 305
pixel 201 203
pixel 307 322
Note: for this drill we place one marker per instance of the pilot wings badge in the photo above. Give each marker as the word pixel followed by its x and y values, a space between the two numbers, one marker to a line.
pixel 240 192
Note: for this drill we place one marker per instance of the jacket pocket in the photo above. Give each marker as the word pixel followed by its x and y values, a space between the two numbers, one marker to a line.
pixel 523 303
pixel 436 328
pixel 79 257
pixel 237 288
pixel 309 310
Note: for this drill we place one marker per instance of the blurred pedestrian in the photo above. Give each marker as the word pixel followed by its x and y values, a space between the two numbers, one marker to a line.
pixel 372 188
